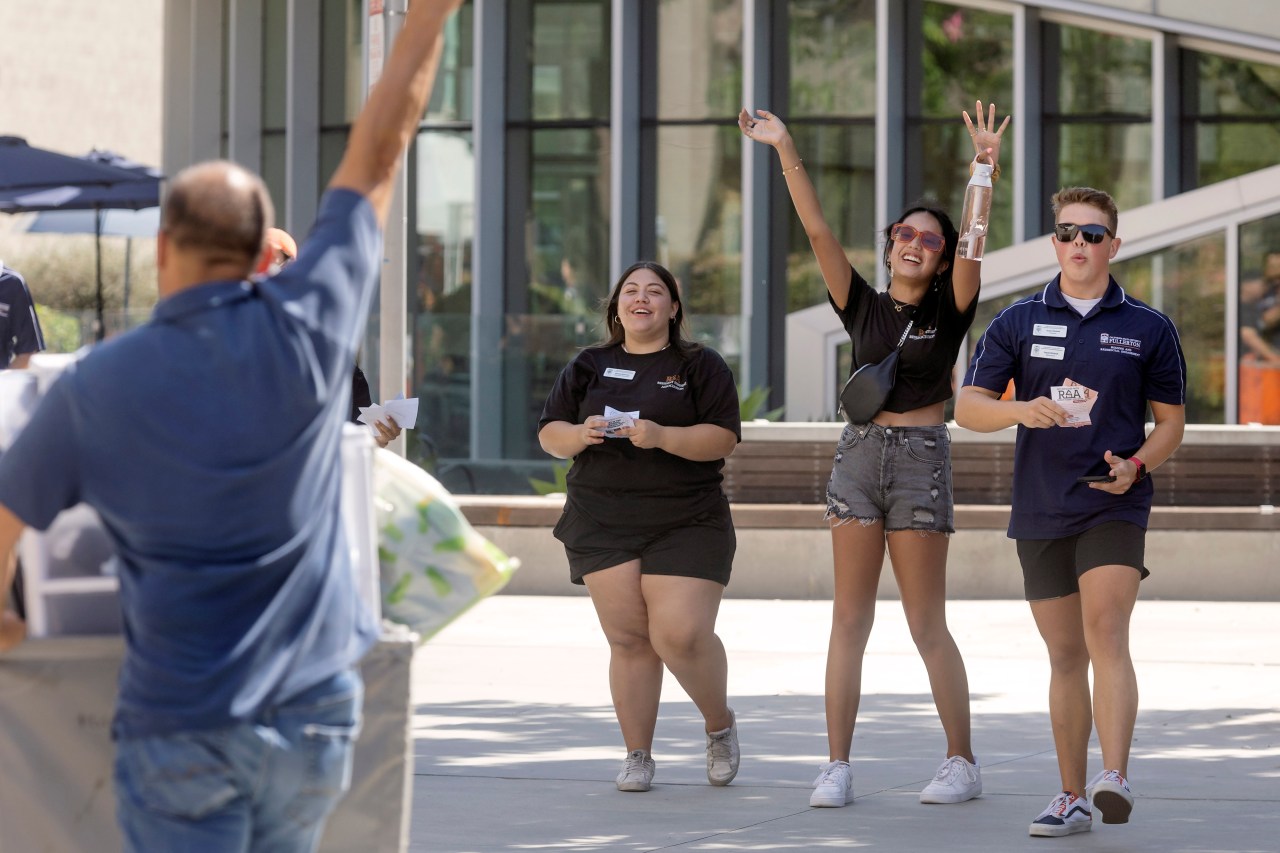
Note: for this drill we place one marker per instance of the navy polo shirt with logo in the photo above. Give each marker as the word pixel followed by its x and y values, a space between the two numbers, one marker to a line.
pixel 1126 351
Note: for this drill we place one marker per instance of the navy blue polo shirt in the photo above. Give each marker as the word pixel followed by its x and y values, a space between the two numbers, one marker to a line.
pixel 1126 351
pixel 209 442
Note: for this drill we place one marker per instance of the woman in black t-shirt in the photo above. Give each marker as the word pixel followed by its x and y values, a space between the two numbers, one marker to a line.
pixel 648 418
pixel 891 480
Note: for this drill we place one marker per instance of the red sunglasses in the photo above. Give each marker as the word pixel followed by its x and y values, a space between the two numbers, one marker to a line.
pixel 931 240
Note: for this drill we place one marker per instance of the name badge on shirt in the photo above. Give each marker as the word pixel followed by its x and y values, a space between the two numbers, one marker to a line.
pixel 1045 330
pixel 619 373
pixel 1046 351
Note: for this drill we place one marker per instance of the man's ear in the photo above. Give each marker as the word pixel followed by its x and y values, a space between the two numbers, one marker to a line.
pixel 1115 247
pixel 265 257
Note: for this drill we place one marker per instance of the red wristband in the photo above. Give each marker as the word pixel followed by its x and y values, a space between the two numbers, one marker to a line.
pixel 1140 465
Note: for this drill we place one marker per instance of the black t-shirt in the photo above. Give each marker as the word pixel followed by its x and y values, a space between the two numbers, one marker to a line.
pixel 924 368
pixel 617 484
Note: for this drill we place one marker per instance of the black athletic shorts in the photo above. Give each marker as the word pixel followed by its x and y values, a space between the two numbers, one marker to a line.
pixel 1051 568
pixel 701 547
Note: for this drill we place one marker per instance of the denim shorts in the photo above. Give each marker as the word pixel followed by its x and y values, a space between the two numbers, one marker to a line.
pixel 265 785
pixel 898 475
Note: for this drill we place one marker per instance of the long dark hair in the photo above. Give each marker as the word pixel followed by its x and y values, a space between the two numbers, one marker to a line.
pixel 949 232
pixel 675 328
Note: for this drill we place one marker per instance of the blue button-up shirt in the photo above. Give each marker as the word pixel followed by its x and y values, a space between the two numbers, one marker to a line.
pixel 1126 351
pixel 208 441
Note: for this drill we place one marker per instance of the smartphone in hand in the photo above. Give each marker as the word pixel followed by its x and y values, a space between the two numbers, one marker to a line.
pixel 1097 478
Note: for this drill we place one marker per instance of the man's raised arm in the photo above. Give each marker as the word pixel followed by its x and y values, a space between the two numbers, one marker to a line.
pixel 390 117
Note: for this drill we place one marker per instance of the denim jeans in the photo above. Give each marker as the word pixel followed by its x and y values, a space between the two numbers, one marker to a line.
pixel 264 786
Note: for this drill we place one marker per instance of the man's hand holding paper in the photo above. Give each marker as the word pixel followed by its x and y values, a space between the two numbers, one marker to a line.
pixel 1076 400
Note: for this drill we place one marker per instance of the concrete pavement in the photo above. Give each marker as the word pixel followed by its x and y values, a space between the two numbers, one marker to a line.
pixel 516 743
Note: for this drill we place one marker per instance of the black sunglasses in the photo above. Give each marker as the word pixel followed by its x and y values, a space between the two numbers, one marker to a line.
pixel 1066 232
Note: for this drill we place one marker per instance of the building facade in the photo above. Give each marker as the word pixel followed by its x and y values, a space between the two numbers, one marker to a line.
pixel 567 138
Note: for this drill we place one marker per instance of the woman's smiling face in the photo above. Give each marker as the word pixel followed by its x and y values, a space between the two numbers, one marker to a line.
pixel 645 304
pixel 912 260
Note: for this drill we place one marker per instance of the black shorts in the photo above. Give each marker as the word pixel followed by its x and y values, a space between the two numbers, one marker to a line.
pixel 701 547
pixel 1051 568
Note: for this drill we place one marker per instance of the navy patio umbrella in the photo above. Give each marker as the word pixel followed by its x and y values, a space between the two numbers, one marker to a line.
pixel 24 167
pixel 114 183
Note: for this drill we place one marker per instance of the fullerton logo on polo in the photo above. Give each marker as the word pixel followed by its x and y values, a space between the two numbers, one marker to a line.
pixel 1115 343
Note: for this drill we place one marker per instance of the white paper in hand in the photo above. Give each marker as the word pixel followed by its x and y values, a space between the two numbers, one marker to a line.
pixel 1076 399
pixel 404 413
pixel 618 419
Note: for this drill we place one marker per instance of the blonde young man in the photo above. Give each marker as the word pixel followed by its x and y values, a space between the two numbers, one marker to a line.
pixel 1086 359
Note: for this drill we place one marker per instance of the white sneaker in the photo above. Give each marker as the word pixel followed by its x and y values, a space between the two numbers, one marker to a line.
pixel 833 788
pixel 1066 815
pixel 723 754
pixel 955 782
pixel 637 771
pixel 1109 793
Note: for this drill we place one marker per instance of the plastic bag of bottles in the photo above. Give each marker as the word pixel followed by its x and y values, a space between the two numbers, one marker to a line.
pixel 433 564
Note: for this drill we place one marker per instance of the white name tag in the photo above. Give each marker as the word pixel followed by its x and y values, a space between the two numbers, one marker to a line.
pixel 619 373
pixel 1045 330
pixel 1046 351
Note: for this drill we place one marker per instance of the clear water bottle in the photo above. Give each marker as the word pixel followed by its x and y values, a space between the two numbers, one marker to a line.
pixel 976 218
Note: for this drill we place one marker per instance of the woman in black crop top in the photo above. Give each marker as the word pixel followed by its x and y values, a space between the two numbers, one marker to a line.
pixel 891 480
pixel 646 526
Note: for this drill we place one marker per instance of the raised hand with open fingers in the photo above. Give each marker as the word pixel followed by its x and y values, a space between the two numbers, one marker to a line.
pixel 985 135
pixel 764 127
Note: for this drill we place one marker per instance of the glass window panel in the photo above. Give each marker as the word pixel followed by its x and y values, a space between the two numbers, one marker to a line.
pixel 273 157
pixel 1259 346
pixel 1115 157
pixel 568 238
pixel 275 23
pixel 1230 149
pixel 341 61
pixel 453 95
pixel 567 262
pixel 1235 88
pixel 442 200
pixel 333 144
pixel 968 54
pixel 534 350
pixel 832 50
pixel 699 71
pixel 1188 283
pixel 1102 73
pixel 570 53
pixel 946 178
pixel 840 160
pixel 699 215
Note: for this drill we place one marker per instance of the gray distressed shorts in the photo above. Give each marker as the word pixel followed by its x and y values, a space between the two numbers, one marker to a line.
pixel 899 474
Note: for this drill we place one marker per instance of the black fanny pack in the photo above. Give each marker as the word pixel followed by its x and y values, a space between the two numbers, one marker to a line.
pixel 864 395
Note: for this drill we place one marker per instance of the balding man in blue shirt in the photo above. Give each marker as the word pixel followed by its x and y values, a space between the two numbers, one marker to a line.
pixel 208 442
pixel 1086 359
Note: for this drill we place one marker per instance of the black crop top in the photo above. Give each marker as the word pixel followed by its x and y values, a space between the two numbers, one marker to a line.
pixel 924 368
